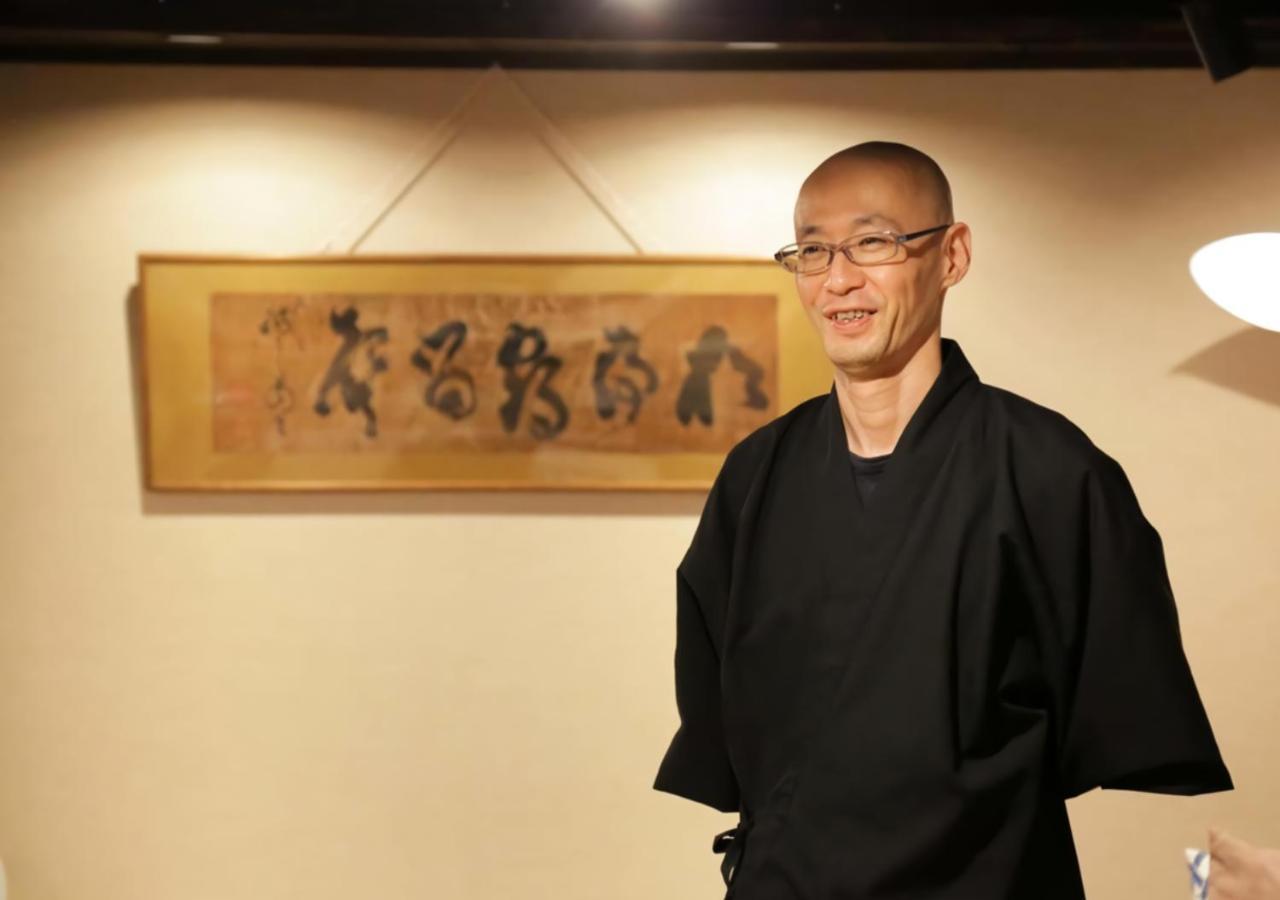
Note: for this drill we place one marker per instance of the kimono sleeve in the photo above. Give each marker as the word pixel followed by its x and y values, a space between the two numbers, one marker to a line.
pixel 1132 717
pixel 696 765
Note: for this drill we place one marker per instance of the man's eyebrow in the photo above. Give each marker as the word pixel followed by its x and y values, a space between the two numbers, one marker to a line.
pixel 876 218
pixel 868 219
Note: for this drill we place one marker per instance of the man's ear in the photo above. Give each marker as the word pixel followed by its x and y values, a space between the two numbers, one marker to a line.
pixel 957 251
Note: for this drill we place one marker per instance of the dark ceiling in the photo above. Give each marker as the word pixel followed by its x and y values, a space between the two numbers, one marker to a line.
pixel 692 34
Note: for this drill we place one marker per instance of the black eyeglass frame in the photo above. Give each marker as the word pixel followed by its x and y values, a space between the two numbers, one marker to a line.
pixel 844 247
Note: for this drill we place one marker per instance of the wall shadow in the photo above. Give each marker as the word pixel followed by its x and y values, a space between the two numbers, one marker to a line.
pixel 1247 362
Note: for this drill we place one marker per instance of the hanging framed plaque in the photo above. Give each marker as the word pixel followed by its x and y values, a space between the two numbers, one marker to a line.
pixel 377 373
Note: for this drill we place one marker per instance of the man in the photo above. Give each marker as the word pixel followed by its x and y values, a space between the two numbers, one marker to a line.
pixel 919 612
pixel 1239 870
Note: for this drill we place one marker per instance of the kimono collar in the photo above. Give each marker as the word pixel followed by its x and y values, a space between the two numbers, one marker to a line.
pixel 955 376
pixel 877 524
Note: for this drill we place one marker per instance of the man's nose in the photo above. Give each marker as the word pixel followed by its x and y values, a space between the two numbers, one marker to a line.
pixel 844 275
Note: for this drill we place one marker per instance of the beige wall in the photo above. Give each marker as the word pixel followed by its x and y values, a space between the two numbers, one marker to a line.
pixel 465 697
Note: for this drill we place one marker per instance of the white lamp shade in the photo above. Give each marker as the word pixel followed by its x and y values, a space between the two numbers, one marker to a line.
pixel 1241 274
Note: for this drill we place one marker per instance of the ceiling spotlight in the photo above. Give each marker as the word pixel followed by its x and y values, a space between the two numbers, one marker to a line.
pixel 1219 36
pixel 194 39
pixel 1241 274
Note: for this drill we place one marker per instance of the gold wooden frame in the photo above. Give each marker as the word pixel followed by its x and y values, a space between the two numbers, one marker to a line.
pixel 175 323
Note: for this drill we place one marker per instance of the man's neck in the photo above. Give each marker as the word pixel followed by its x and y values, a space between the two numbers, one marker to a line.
pixel 876 410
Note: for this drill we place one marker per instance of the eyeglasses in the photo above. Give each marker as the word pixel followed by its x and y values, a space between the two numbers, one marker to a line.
pixel 870 248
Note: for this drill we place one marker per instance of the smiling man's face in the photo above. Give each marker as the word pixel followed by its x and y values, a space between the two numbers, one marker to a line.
pixel 901 299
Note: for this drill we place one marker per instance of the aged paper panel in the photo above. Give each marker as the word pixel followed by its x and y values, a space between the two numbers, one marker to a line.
pixel 648 373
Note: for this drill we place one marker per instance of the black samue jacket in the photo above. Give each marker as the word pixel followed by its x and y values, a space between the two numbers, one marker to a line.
pixel 898 696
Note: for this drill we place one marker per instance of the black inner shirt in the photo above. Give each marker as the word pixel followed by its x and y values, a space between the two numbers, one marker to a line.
pixel 866 472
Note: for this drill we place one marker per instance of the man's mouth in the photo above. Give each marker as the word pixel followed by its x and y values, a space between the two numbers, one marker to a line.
pixel 851 315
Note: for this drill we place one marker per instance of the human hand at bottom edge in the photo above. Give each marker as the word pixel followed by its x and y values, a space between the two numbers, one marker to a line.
pixel 1239 870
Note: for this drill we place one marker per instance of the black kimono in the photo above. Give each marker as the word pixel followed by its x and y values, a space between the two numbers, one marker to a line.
pixel 898 693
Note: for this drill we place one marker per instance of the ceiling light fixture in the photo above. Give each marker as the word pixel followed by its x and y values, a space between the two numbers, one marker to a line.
pixel 641 5
pixel 1241 274
pixel 196 39
pixel 1219 36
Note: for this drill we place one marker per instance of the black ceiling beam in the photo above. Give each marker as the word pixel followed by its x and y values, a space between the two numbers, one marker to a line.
pixel 810 35
pixel 830 20
pixel 559 18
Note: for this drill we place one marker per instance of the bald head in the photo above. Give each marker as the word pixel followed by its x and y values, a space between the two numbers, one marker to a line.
pixel 916 170
pixel 862 191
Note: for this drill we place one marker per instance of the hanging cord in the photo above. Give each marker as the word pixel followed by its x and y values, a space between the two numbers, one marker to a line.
pixel 401 182
pixel 584 174
pixel 429 152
